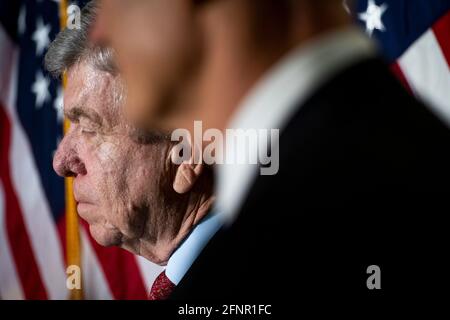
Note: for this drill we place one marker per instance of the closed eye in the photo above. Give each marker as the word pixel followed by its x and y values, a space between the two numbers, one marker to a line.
pixel 88 131
pixel 87 126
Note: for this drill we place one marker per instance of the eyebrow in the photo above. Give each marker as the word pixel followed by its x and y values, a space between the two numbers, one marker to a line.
pixel 75 113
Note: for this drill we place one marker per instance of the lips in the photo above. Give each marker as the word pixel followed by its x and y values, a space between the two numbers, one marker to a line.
pixel 84 202
pixel 80 192
pixel 81 200
pixel 87 212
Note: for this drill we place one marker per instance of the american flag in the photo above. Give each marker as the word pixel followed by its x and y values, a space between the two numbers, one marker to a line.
pixel 414 36
pixel 32 199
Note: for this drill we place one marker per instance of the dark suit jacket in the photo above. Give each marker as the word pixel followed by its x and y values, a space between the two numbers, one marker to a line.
pixel 364 180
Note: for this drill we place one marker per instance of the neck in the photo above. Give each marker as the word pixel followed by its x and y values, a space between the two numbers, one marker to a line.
pixel 196 206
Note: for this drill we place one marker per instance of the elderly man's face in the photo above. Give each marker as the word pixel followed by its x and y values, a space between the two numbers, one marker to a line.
pixel 118 183
pixel 157 46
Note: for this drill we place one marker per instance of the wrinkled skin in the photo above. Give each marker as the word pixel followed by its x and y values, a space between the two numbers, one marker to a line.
pixel 123 189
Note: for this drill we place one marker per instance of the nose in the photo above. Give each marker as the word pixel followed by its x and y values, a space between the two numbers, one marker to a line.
pixel 66 161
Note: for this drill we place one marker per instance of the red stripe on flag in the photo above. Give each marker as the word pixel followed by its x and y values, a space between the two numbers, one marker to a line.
pixel 25 262
pixel 395 68
pixel 61 227
pixel 442 32
pixel 121 271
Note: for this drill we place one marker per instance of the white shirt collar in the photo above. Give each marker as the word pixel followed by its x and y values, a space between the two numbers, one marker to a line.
pixel 182 259
pixel 276 97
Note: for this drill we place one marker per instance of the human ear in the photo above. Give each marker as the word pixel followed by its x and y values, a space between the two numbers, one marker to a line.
pixel 186 176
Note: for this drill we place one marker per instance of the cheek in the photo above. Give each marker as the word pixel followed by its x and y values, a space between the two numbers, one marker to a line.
pixel 109 171
pixel 119 173
pixel 107 154
pixel 100 165
pixel 105 171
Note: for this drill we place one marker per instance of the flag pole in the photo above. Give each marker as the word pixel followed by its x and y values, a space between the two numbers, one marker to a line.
pixel 73 250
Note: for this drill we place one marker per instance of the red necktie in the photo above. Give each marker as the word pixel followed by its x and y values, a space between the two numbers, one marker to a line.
pixel 161 288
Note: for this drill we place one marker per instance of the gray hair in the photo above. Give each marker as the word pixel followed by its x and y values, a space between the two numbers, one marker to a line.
pixel 72 46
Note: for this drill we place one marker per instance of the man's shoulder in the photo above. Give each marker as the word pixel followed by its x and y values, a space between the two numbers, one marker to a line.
pixel 365 109
pixel 353 181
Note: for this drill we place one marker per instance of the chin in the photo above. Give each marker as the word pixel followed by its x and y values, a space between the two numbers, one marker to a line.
pixel 105 237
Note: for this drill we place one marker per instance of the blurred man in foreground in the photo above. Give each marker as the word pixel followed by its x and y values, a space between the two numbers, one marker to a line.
pixel 125 185
pixel 363 166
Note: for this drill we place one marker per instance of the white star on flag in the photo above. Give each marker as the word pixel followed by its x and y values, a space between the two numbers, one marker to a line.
pixel 40 89
pixel 41 36
pixel 373 17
